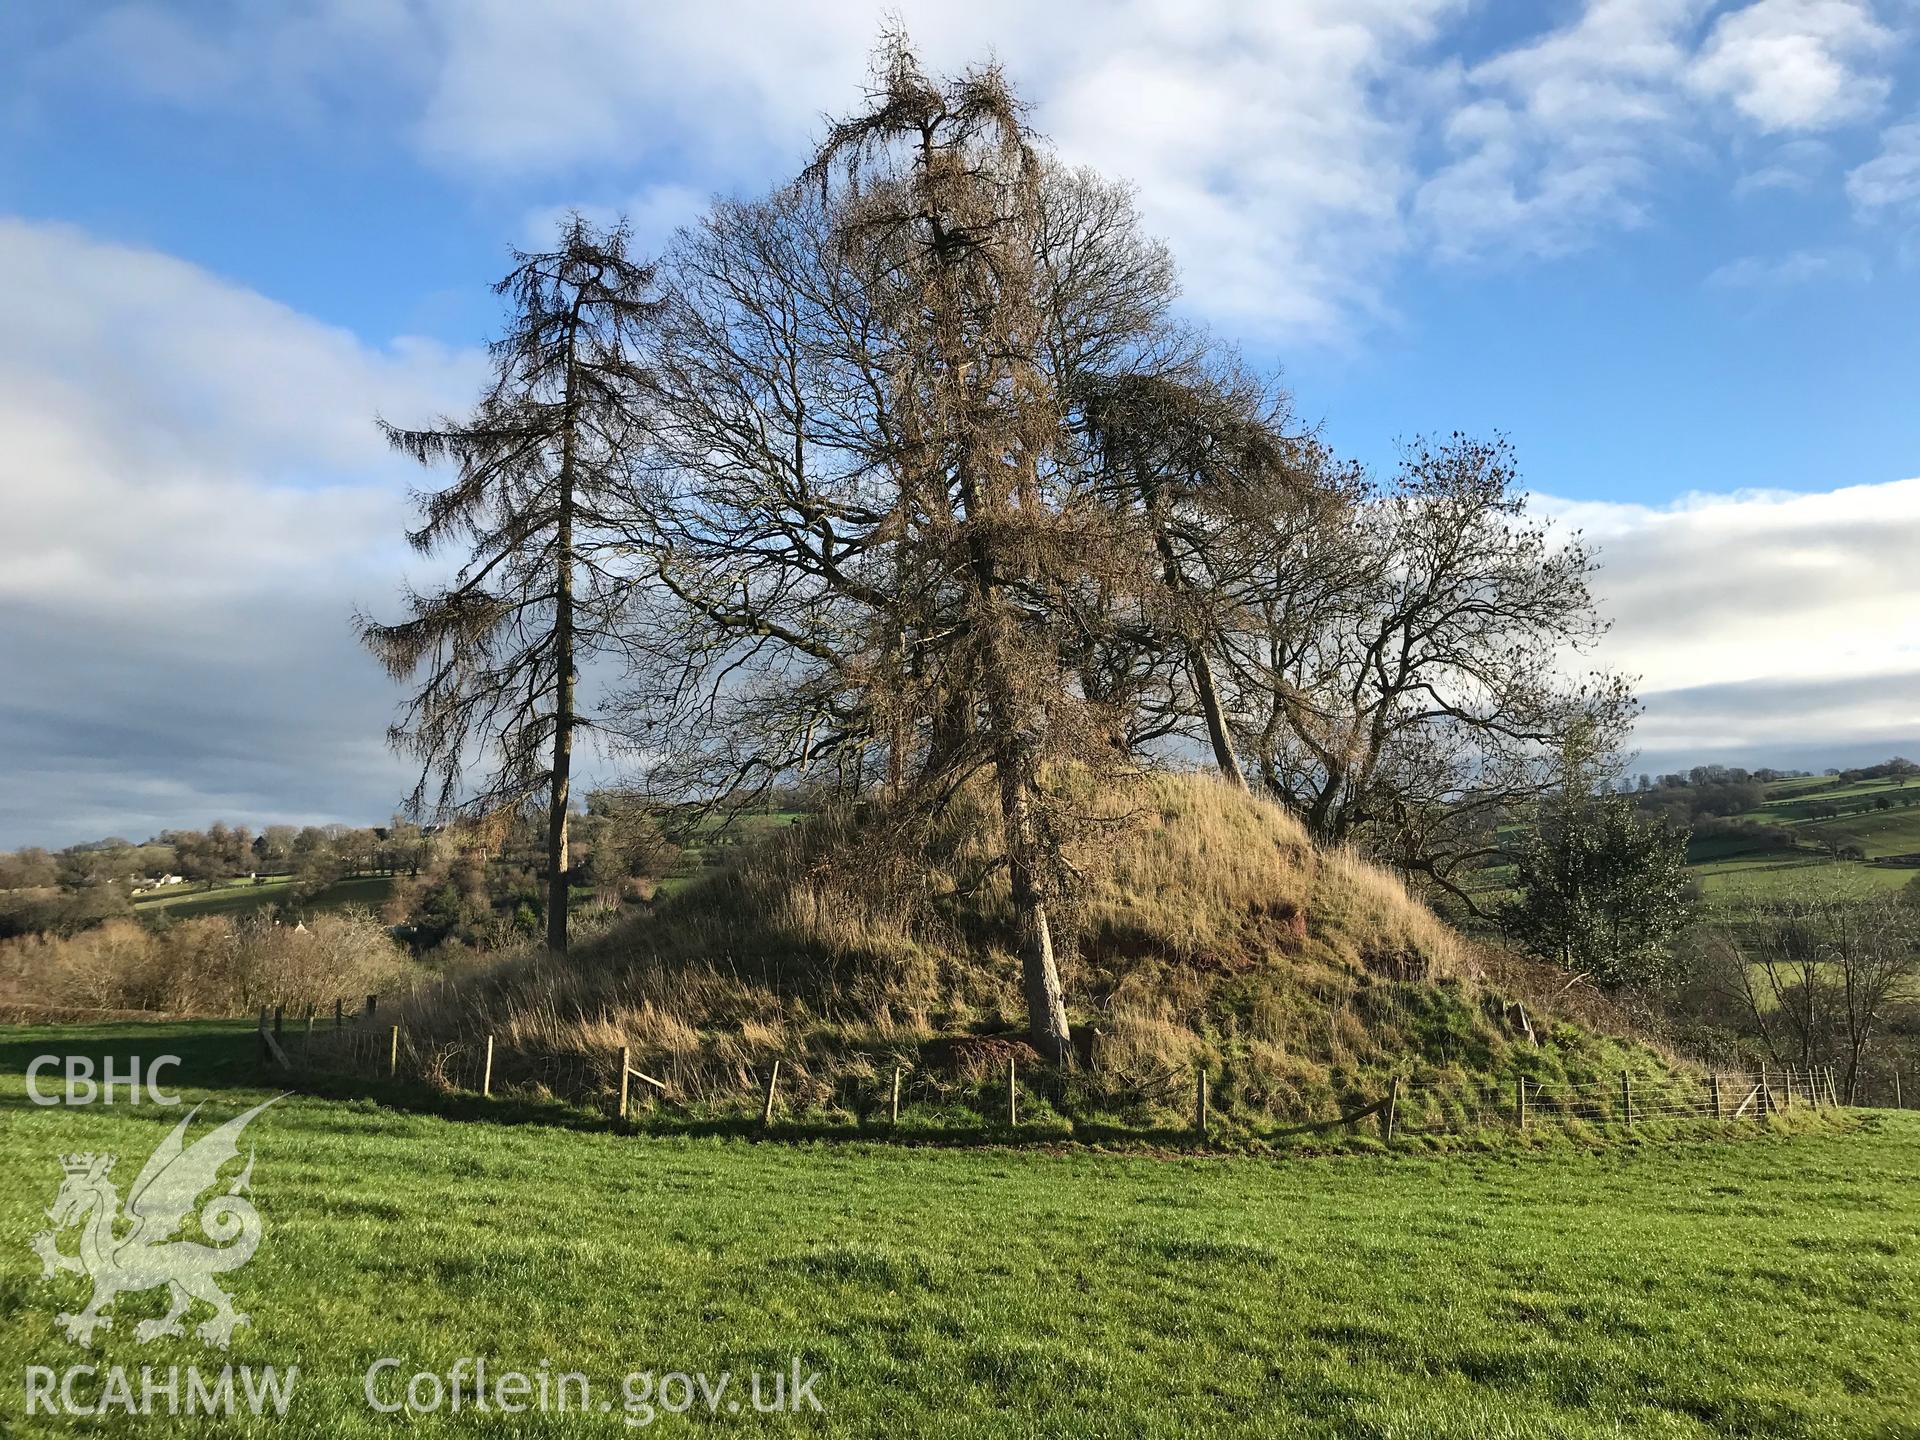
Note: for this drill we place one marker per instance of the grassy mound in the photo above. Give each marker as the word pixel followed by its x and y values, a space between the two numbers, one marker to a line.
pixel 1204 930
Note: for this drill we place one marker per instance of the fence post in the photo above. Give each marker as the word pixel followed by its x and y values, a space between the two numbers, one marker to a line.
pixel 1766 1091
pixel 1013 1097
pixel 279 1018
pixel 1393 1108
pixel 486 1073
pixel 1896 1088
pixel 626 1066
pixel 1719 1110
pixel 264 1054
pixel 773 1080
pixel 393 1053
pixel 309 1040
pixel 893 1110
pixel 1200 1103
pixel 339 1012
pixel 373 1002
pixel 1626 1094
pixel 1833 1089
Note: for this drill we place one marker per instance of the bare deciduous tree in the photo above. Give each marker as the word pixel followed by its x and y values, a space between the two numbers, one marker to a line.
pixel 1403 687
pixel 1820 976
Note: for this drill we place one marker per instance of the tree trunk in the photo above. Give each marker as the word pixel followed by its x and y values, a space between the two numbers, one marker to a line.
pixel 1217 734
pixel 559 800
pixel 1014 762
pixel 1040 973
pixel 1197 662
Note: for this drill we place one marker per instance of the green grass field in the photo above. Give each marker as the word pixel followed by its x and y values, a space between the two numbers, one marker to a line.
pixel 1804 877
pixel 1766 1287
pixel 240 897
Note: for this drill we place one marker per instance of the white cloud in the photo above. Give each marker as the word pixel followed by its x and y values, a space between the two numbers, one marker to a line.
pixel 1796 64
pixel 1551 139
pixel 1719 601
pixel 1797 267
pixel 1560 138
pixel 1792 166
pixel 1891 180
pixel 196 496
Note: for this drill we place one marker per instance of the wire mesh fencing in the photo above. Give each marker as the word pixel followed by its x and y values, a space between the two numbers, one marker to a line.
pixel 367 1046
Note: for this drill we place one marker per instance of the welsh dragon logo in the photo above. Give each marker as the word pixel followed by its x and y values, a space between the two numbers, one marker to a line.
pixel 137 1250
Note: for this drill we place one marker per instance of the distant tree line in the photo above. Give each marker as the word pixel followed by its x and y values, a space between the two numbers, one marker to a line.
pixel 471 884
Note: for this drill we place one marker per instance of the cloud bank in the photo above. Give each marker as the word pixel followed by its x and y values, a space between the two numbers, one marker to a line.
pixel 196 497
pixel 1762 622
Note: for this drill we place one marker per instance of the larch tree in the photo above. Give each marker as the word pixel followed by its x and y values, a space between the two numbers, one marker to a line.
pixel 874 510
pixel 541 492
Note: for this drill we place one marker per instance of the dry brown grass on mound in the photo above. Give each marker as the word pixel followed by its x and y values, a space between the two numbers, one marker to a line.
pixel 840 943
pixel 1220 877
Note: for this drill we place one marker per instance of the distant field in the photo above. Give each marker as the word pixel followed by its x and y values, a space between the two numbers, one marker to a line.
pixel 1766 1287
pixel 1793 800
pixel 1779 877
pixel 239 897
pixel 1732 871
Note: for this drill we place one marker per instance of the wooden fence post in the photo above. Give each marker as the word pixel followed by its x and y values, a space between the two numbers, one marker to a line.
pixel 373 1002
pixel 279 1017
pixel 773 1080
pixel 1520 1102
pixel 893 1110
pixel 1766 1091
pixel 1013 1097
pixel 1626 1095
pixel 263 1034
pixel 626 1070
pixel 1391 1115
pixel 1896 1089
pixel 1719 1109
pixel 339 1012
pixel 486 1073
pixel 393 1053
pixel 1832 1090
pixel 1200 1104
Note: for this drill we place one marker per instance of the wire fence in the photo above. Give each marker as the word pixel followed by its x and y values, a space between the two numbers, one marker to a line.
pixel 358 1046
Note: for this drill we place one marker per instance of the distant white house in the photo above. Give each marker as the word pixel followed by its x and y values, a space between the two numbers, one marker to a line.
pixel 143 886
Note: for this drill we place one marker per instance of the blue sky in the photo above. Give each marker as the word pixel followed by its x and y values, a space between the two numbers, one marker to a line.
pixel 1671 247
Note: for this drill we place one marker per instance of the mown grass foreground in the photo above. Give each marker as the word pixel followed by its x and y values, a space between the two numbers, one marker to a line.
pixel 1769 1286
